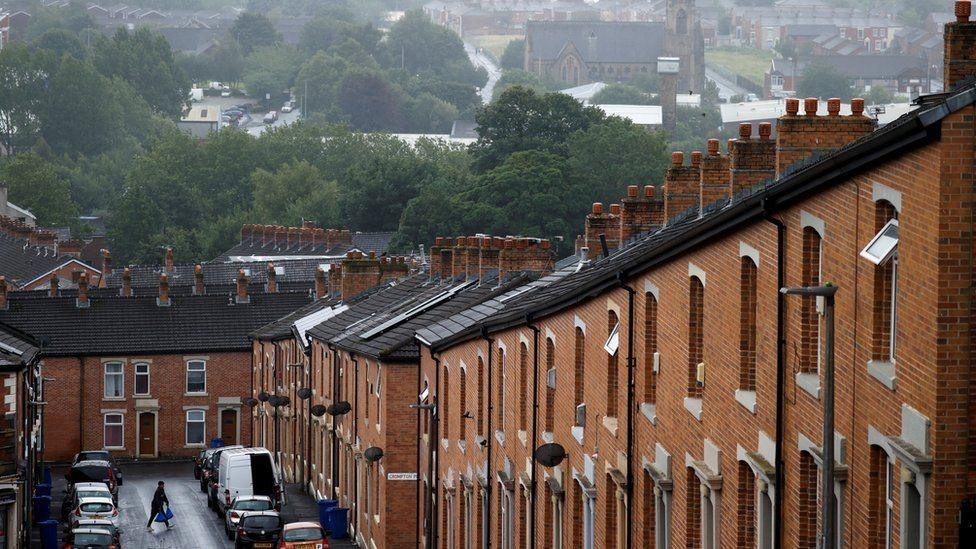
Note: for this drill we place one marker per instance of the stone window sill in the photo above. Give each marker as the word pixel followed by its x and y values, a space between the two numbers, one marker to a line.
pixel 611 424
pixel 113 399
pixel 694 407
pixel 462 445
pixel 578 434
pixel 809 383
pixel 195 394
pixel 747 399
pixel 650 412
pixel 446 443
pixel 547 437
pixel 883 371
pixel 500 437
pixel 115 448
pixel 200 445
pixel 523 437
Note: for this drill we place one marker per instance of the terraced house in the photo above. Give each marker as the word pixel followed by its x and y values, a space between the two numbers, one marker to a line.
pixel 659 389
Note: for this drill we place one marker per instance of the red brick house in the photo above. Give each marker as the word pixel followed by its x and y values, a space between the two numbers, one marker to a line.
pixel 145 376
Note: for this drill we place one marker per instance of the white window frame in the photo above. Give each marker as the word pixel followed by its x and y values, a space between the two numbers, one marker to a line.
pixel 612 344
pixel 120 425
pixel 893 321
pixel 889 480
pixel 121 376
pixel 135 379
pixel 188 370
pixel 888 252
pixel 202 422
pixel 662 518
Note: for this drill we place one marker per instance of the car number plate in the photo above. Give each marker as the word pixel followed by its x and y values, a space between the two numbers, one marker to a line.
pixel 263 545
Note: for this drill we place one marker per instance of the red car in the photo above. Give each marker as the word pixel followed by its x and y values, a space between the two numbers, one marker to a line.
pixel 303 535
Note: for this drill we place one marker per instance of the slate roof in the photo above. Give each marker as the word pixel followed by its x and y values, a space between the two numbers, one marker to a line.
pixel 688 230
pixel 21 263
pixel 190 40
pixel 282 328
pixel 137 325
pixel 289 270
pixel 366 242
pixel 598 41
pixel 16 348
pixel 881 67
pixel 809 30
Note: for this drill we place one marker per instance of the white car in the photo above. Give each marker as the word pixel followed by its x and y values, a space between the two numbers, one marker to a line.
pixel 225 93
pixel 242 505
pixel 92 490
pixel 287 107
pixel 98 508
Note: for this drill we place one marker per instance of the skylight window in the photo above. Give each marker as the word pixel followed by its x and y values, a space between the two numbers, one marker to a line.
pixel 884 244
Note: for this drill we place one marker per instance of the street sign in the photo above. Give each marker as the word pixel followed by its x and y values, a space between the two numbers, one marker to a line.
pixel 401 476
pixel 668 65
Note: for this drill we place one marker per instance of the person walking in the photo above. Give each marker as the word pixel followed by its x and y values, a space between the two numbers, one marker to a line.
pixel 159 498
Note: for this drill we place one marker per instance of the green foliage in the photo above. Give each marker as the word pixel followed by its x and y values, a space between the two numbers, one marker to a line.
pixel 270 69
pixel 878 95
pixel 34 183
pixel 623 94
pixel 514 56
pixel 429 114
pixel 369 102
pixel 21 85
pixel 524 79
pixel 824 81
pixel 323 33
pixel 319 77
pixel 418 46
pixel 73 18
pixel 647 82
pixel 60 42
pixel 253 30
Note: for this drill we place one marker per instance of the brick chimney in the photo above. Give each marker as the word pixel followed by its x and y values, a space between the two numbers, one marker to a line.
pixel 199 288
pixel 490 255
pixel 599 223
pixel 242 296
pixel 682 188
pixel 106 263
pixel 392 268
pixel 459 262
pixel 82 300
pixel 798 137
pixel 169 259
pixel 294 237
pixel 247 232
pixel 318 237
pixel 280 237
pixel 714 175
pixel 3 293
pixel 126 289
pixel 321 290
pixel 358 274
pixel 70 247
pixel 445 258
pixel 268 233
pixel 526 254
pixel 752 160
pixel 473 256
pixel 271 286
pixel 435 256
pixel 639 213
pixel 53 291
pixel 163 299
pixel 959 47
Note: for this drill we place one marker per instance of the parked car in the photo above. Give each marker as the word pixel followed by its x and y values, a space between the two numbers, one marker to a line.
pixel 79 491
pixel 303 535
pixel 94 471
pixel 270 117
pixel 259 530
pixel 208 477
pixel 96 509
pixel 99 455
pixel 225 93
pixel 287 107
pixel 199 461
pixel 89 538
pixel 242 505
pixel 102 524
pixel 247 472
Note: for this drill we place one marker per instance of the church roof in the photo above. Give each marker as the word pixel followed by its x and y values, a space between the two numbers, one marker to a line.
pixel 598 41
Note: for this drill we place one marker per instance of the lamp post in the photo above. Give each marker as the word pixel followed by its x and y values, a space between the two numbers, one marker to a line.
pixel 827 512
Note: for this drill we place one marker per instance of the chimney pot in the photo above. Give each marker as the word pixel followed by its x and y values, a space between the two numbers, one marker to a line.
pixel 439 241
pixel 169 259
pixel 242 287
pixel 857 105
pixel 963 10
pixel 198 287
pixel 486 242
pixel 614 209
pixel 792 106
pixel 677 158
pixel 126 283
pixel 729 144
pixel 509 243
pixel 372 254
pixel 696 157
pixel 460 242
pixel 597 208
pixel 745 130
pixel 106 262
pixel 54 285
pixel 544 243
pixel 320 290
pixel 712 147
pixel 272 283
pixel 765 130
pixel 82 300
pixel 810 106
pixel 632 191
pixel 833 106
pixel 163 299
pixel 648 191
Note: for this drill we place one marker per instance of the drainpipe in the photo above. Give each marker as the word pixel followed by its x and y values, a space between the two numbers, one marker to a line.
pixel 434 457
pixel 631 367
pixel 779 466
pixel 250 415
pixel 335 441
pixel 308 451
pixel 535 422
pixel 355 436
pixel 489 437
pixel 418 494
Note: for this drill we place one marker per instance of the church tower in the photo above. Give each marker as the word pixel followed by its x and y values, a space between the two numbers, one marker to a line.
pixel 685 40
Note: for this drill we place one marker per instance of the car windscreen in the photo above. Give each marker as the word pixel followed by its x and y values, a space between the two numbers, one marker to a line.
pixel 92 539
pixel 262 522
pixel 90 473
pixel 253 505
pixel 96 507
pixel 304 534
pixel 82 494
pixel 86 456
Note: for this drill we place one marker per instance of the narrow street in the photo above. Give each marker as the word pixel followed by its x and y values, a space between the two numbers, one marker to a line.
pixel 494 71
pixel 726 88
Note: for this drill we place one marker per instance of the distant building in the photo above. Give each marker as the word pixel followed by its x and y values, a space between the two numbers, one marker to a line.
pixel 897 73
pixel 648 117
pixel 763 27
pixel 200 121
pixel 14 211
pixel 4 29
pixel 30 258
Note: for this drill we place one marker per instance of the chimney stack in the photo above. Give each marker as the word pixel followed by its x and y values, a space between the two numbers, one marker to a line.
pixel 70 247
pixel 714 175
pixel 358 274
pixel 753 160
pixel 242 296
pixel 106 263
pixel 959 47
pixel 799 137
pixel 527 254
pixel 682 187
pixel 163 299
pixel 54 285
pixel 82 299
pixel 126 290
pixel 320 287
pixel 599 223
pixel 199 288
pixel 272 285
pixel 169 259
pixel 3 293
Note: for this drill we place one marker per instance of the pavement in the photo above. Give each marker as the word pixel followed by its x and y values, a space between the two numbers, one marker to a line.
pixel 726 88
pixel 494 72
pixel 195 525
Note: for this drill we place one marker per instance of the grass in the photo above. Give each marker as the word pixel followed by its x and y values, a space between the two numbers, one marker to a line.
pixel 748 62
pixel 495 43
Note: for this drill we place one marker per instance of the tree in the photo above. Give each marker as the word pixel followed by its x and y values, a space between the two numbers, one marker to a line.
pixel 524 79
pixel 369 101
pixel 322 33
pixel 514 55
pixel 292 193
pixel 879 95
pixel 270 69
pixel 320 76
pixel 428 114
pixel 34 184
pixel 21 85
pixel 252 30
pixel 622 94
pixel 824 81
pixel 418 46
pixel 60 42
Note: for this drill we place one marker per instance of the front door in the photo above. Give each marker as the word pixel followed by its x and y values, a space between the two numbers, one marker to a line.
pixel 228 426
pixel 147 434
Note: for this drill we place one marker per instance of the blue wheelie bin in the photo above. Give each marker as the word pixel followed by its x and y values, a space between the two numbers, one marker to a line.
pixel 339 518
pixel 43 489
pixel 324 506
pixel 42 508
pixel 49 534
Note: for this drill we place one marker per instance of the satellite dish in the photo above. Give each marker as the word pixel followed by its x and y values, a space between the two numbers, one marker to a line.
pixel 318 410
pixel 263 396
pixel 274 400
pixel 304 393
pixel 373 454
pixel 251 401
pixel 550 455
pixel 283 401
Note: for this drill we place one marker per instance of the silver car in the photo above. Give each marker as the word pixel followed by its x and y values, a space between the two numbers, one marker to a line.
pixel 241 505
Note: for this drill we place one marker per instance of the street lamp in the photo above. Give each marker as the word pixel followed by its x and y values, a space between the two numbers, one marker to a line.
pixel 827 512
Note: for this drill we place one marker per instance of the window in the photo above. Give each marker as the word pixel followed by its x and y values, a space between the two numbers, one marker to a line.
pixel 196 376
pixel 693 514
pixel 611 346
pixel 501 390
pixel 650 348
pixel 578 359
pixel 860 34
pixel 463 405
pixel 696 319
pixel 662 518
pixel 884 244
pixel 523 386
pixel 747 324
pixel 114 380
pixel 113 431
pixel 809 316
pixel 881 499
pixel 481 396
pixel 550 383
pixel 746 493
pixel 576 516
pixel 883 252
pixel 647 521
pixel 196 426
pixel 445 420
pixel 610 505
pixel 142 379
pixel 808 508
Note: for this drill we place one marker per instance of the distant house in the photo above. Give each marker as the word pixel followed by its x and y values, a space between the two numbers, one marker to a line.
pixel 191 40
pixel 200 121
pixel 896 73
pixel 4 29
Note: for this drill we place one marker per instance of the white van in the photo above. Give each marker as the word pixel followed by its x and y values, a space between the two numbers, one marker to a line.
pixel 247 472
